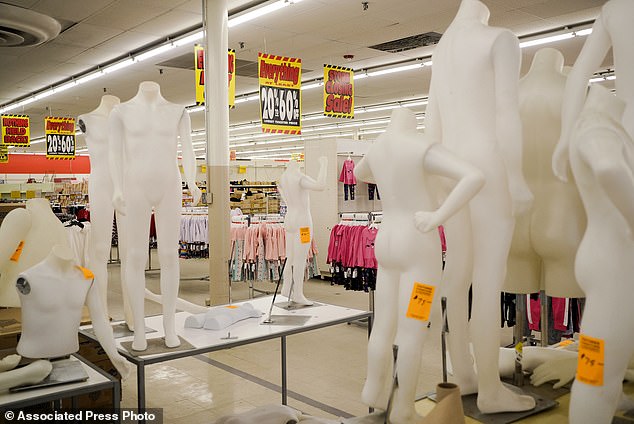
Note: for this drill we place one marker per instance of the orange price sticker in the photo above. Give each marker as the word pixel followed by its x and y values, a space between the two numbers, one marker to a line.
pixel 420 302
pixel 304 234
pixel 590 360
pixel 231 307
pixel 564 343
pixel 88 275
pixel 18 252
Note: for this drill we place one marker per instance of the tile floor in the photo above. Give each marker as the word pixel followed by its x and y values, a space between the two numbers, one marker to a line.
pixel 326 367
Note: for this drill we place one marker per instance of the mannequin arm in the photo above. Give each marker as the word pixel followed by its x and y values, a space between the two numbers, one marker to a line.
pixel 9 362
pixel 363 172
pixel 319 184
pixel 115 159
pixel 590 58
pixel 14 229
pixel 606 158
pixel 433 128
pixel 103 331
pixel 440 161
pixel 30 374
pixel 509 125
pixel 189 159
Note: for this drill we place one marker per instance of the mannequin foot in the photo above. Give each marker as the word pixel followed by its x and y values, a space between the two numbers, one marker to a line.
pixel 372 396
pixel 504 400
pixel 172 340
pixel 404 414
pixel 139 343
pixel 301 300
pixel 468 385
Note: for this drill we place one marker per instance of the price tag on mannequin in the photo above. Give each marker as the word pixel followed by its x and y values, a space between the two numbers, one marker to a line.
pixel 420 302
pixel 304 234
pixel 590 360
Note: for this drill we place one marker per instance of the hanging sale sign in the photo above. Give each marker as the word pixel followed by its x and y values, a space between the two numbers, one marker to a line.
pixel 199 72
pixel 4 154
pixel 16 130
pixel 232 78
pixel 60 137
pixel 280 93
pixel 338 92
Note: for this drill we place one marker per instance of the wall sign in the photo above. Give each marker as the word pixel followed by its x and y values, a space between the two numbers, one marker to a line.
pixel 60 137
pixel 280 93
pixel 16 130
pixel 199 72
pixel 4 153
pixel 338 92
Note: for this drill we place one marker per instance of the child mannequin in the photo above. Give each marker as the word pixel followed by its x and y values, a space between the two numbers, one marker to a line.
pixel 294 187
pixel 400 162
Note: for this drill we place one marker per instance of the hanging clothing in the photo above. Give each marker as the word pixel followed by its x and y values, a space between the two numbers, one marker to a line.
pixel 347 172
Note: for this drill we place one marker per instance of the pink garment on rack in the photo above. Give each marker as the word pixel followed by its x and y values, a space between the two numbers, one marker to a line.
pixel 347 172
pixel 443 240
pixel 368 237
pixel 559 311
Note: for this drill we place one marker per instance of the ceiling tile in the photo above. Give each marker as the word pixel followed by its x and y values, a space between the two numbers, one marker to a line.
pixel 86 35
pixel 73 10
pixel 169 23
pixel 124 17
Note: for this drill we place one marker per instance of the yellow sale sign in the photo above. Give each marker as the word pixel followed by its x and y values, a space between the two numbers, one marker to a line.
pixel 338 92
pixel 280 93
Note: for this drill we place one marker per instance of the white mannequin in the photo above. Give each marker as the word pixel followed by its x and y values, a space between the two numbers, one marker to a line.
pixel 100 190
pixel 612 29
pixel 602 160
pixel 546 238
pixel 144 134
pixel 40 230
pixel 294 187
pixel 473 111
pixel 400 162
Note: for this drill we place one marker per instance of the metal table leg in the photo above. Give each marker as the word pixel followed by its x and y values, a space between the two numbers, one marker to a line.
pixel 140 385
pixel 284 387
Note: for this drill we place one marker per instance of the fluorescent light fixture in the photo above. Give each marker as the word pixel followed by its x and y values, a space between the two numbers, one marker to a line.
pixel 397 69
pixel 88 77
pixel 602 79
pixel 254 14
pixel 43 94
pixel 196 109
pixel 247 98
pixel 553 38
pixel 119 65
pixel 64 87
pixel 189 39
pixel 38 140
pixel 360 75
pixel 312 85
pixel 156 51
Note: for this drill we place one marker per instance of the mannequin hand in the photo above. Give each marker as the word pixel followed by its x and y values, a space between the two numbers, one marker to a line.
pixel 118 202
pixel 522 198
pixel 197 194
pixel 560 370
pixel 425 221
pixel 9 362
pixel 123 366
pixel 560 162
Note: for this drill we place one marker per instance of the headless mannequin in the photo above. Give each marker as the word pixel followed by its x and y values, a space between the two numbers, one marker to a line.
pixel 100 190
pixel 612 29
pixel 546 238
pixel 602 160
pixel 294 187
pixel 400 162
pixel 144 134
pixel 40 230
pixel 478 120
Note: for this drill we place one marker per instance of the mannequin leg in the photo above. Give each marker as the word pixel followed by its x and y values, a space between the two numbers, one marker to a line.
pixel 127 309
pixel 604 320
pixel 167 232
pixel 491 240
pixel 300 254
pixel 456 279
pixel 410 336
pixel 136 238
pixel 376 390
pixel 287 280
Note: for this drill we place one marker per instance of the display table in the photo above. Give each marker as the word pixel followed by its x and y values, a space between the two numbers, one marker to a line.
pixel 286 323
pixel 97 380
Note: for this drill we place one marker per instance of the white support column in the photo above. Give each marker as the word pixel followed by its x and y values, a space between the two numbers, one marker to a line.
pixel 217 126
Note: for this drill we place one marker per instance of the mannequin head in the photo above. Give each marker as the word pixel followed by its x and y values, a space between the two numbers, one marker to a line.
pixel 473 9
pixel 546 59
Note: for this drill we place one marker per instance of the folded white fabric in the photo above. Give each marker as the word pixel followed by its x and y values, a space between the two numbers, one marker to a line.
pixel 220 317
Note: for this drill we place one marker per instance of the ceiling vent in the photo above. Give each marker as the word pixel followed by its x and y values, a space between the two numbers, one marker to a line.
pixel 21 27
pixel 409 43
